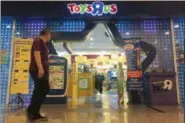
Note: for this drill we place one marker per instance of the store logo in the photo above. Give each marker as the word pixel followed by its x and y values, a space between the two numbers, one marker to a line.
pixel 95 9
pixel 162 86
pixel 168 84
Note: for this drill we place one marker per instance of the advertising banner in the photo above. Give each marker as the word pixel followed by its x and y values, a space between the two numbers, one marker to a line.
pixel 20 68
pixel 57 76
pixel 134 73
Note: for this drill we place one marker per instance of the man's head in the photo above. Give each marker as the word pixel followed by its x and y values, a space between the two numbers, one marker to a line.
pixel 45 34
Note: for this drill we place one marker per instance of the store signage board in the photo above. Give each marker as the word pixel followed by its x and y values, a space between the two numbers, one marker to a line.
pixel 134 73
pixel 20 67
pixel 95 9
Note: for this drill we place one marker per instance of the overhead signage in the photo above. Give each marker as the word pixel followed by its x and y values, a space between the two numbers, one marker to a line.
pixel 95 9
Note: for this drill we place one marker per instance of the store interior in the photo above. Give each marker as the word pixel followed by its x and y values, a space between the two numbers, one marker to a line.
pixel 98 57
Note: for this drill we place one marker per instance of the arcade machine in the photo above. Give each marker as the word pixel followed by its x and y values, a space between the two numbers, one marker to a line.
pixel 58 70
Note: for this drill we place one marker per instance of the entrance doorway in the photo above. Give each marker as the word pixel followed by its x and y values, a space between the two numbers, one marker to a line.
pixel 98 58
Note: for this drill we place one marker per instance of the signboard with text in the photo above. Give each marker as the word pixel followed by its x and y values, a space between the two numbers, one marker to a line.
pixel 134 73
pixel 57 76
pixel 21 60
pixel 95 9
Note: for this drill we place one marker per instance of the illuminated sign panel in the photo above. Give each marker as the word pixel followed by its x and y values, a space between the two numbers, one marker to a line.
pixel 95 9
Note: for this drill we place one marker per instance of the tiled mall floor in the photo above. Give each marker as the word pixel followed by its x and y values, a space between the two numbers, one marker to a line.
pixel 102 112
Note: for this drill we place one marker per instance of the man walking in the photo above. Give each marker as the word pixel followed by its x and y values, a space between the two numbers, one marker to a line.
pixel 39 71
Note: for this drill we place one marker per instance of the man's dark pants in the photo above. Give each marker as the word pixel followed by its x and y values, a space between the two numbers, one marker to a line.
pixel 41 88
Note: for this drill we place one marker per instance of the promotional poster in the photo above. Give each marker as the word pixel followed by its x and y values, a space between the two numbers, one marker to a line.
pixel 57 76
pixel 134 73
pixel 20 68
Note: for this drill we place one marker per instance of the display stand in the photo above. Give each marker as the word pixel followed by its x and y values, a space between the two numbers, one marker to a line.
pixel 57 80
pixel 19 100
pixel 19 78
pixel 162 89
pixel 134 73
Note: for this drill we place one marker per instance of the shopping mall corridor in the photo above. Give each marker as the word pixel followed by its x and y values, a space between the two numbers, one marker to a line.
pixel 105 111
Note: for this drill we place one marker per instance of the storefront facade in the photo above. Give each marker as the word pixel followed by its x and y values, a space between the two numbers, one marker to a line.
pixel 165 31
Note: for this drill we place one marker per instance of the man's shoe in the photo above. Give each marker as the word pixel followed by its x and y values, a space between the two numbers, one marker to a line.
pixel 40 118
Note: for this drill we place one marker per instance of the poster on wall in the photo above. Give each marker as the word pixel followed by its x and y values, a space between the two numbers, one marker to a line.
pixel 20 67
pixel 134 73
pixel 3 56
pixel 57 76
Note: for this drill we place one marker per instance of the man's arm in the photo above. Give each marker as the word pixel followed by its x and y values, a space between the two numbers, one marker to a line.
pixel 38 59
pixel 37 49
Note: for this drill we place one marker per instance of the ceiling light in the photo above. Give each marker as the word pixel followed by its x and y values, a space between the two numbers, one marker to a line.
pixel 167 33
pixel 61 53
pixel 91 38
pixel 176 26
pixel 103 52
pixel 18 33
pixel 123 54
pixel 80 54
pixel 127 33
pixel 8 26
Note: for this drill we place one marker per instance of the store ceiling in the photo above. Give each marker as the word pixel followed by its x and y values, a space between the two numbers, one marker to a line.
pixel 97 42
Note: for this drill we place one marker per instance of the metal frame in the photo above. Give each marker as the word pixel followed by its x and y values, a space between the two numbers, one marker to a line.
pixel 174 58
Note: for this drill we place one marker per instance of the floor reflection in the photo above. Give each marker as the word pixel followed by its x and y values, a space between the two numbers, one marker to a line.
pixel 101 110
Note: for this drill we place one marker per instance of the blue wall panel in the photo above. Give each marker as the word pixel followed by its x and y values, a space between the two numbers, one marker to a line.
pixel 6 39
pixel 155 32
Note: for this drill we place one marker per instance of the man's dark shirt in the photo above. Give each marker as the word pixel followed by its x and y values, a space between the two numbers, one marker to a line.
pixel 39 45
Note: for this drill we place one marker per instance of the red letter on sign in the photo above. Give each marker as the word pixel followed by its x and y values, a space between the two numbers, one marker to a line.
pixel 113 9
pixel 71 7
pixel 89 8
